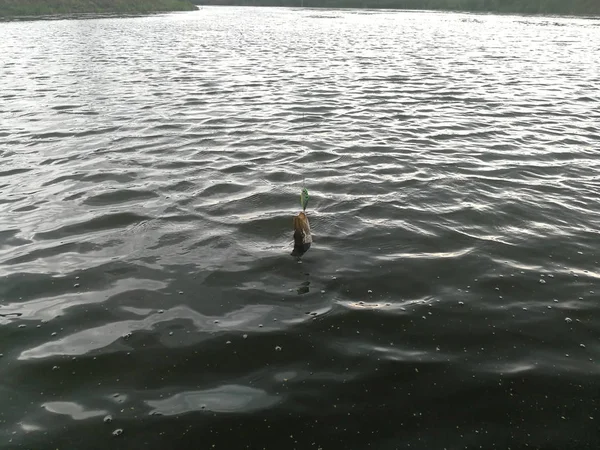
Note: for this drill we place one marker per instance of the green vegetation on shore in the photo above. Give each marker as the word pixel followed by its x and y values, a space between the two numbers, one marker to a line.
pixel 576 7
pixel 14 8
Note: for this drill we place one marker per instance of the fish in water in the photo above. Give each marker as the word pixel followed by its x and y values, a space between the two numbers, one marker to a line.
pixel 302 236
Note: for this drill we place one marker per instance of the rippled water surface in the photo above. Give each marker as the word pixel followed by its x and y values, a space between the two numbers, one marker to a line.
pixel 150 169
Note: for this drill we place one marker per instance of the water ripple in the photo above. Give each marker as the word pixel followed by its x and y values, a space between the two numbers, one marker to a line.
pixel 151 169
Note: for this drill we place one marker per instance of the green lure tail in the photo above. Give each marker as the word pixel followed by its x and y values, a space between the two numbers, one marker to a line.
pixel 304 199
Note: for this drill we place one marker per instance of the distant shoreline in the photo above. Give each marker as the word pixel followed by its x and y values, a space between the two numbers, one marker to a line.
pixel 38 8
pixel 547 7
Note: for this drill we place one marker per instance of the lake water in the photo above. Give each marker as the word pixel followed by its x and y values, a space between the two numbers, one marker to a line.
pixel 150 170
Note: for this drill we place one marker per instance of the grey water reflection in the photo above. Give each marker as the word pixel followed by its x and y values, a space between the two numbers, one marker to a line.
pixel 223 399
pixel 151 167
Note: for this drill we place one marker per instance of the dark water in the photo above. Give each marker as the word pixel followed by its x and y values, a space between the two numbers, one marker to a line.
pixel 150 168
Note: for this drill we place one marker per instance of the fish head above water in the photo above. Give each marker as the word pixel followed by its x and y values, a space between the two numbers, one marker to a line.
pixel 302 234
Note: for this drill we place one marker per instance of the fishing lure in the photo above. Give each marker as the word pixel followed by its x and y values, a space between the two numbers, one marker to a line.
pixel 302 233
pixel 304 198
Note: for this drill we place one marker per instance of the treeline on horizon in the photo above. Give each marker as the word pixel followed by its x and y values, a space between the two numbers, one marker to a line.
pixel 578 7
pixel 10 8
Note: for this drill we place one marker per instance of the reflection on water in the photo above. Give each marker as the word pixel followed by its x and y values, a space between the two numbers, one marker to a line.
pixel 223 399
pixel 75 411
pixel 151 167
